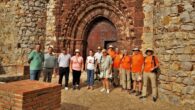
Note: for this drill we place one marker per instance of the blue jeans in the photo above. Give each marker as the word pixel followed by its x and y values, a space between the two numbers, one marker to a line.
pixel 90 77
pixel 35 74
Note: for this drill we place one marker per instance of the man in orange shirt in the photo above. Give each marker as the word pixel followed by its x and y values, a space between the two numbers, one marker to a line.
pixel 136 66
pixel 111 51
pixel 125 71
pixel 151 62
pixel 116 67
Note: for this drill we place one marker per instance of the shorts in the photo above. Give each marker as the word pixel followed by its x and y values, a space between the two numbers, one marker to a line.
pixel 105 74
pixel 136 76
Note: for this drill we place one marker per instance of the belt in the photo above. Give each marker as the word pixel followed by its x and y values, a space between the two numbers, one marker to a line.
pixel 48 68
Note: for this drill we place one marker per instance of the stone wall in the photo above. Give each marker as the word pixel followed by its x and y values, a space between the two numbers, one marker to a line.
pixel 23 23
pixel 51 39
pixel 31 22
pixel 8 35
pixel 174 36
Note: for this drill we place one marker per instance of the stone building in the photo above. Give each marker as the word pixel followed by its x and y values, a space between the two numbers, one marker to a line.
pixel 168 26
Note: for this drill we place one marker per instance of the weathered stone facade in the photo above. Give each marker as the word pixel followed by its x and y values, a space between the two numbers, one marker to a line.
pixel 166 25
pixel 174 41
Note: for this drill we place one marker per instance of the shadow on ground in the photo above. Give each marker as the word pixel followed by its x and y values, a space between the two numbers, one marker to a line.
pixel 67 106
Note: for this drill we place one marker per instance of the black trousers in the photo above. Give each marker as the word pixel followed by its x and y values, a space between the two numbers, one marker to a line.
pixel 64 72
pixel 76 77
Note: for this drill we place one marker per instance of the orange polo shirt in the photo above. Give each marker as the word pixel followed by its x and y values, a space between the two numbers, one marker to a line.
pixel 117 60
pixel 149 63
pixel 126 63
pixel 137 63
pixel 111 53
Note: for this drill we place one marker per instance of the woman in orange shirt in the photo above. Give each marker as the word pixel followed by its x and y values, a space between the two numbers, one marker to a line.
pixel 151 62
pixel 125 68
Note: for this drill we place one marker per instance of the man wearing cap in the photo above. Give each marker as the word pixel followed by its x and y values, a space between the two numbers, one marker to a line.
pixel 136 67
pixel 150 64
pixel 64 62
pixel 76 67
pixel 105 70
pixel 116 66
pixel 98 56
pixel 111 51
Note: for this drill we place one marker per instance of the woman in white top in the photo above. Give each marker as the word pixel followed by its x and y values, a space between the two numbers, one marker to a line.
pixel 90 67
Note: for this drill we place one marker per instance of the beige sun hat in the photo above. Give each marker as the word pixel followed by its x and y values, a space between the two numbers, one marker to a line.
pixel 77 51
pixel 149 50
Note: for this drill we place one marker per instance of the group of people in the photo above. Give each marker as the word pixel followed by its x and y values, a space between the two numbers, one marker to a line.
pixel 111 66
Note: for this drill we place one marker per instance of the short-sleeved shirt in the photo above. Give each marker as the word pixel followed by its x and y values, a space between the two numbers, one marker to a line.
pixel 137 63
pixel 36 59
pixel 105 62
pixel 111 53
pixel 90 63
pixel 77 63
pixel 98 56
pixel 126 62
pixel 149 63
pixel 50 61
pixel 117 60
pixel 64 60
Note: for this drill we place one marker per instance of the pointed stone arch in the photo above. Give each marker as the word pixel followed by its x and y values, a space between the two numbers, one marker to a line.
pixel 83 12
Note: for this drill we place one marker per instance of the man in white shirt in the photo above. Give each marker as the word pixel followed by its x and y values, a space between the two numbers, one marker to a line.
pixel 98 56
pixel 64 62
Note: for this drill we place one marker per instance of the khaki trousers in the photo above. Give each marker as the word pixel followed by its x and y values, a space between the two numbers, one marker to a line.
pixel 152 77
pixel 125 79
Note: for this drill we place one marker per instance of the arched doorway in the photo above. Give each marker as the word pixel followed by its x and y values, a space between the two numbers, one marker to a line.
pixel 100 32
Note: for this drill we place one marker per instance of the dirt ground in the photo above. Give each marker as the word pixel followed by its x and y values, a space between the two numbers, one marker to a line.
pixel 117 100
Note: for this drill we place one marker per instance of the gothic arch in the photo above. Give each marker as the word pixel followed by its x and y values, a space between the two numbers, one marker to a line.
pixel 85 11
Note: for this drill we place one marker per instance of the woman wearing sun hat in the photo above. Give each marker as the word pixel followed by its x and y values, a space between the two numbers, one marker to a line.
pixel 105 70
pixel 76 66
pixel 150 64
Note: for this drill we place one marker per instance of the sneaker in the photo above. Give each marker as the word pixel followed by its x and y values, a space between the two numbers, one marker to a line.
pixel 154 99
pixel 78 87
pixel 132 91
pixel 74 87
pixel 102 90
pixel 108 91
pixel 114 85
pixel 66 88
pixel 138 94
pixel 142 97
pixel 122 89
pixel 88 87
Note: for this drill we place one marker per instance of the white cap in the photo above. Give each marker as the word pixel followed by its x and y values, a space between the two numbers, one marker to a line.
pixel 77 50
pixel 111 46
pixel 136 49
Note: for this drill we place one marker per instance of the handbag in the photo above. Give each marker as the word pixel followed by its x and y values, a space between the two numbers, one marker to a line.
pixel 155 70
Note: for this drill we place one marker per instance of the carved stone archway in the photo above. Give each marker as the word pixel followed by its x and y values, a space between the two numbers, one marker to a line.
pixel 83 12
